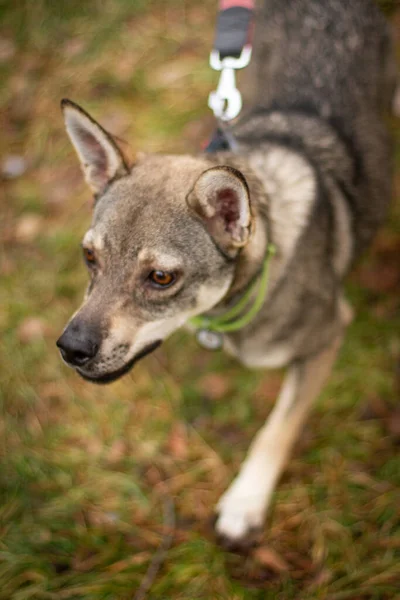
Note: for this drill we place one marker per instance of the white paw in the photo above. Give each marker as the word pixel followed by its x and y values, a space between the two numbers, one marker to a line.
pixel 240 512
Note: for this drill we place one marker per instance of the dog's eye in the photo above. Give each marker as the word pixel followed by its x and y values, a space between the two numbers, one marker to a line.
pixel 89 256
pixel 161 279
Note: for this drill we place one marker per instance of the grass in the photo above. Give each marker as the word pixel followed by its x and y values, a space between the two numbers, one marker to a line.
pixel 86 471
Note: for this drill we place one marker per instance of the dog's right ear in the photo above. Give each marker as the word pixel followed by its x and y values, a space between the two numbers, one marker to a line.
pixel 101 159
pixel 221 199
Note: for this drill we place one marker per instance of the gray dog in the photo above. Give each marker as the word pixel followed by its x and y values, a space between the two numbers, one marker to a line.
pixel 174 237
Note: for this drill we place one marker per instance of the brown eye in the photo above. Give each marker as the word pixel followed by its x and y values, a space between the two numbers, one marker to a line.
pixel 161 279
pixel 89 256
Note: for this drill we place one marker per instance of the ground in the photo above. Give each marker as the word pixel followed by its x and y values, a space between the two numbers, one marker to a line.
pixel 93 478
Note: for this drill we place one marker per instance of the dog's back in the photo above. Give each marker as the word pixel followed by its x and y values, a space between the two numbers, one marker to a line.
pixel 329 56
pixel 327 68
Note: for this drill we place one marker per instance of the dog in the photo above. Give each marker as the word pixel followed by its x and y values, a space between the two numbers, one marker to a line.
pixel 307 171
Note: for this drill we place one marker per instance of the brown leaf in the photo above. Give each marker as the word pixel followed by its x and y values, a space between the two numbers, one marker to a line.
pixel 178 441
pixel 301 561
pixel 116 452
pixel 137 559
pixel 271 559
pixel 13 166
pixel 387 308
pixel 374 408
pixel 28 228
pixel 7 49
pixel 171 74
pixel 322 578
pixel 269 387
pixel 380 277
pixel 53 391
pixel 386 242
pixel 74 47
pixel 214 385
pixel 7 265
pixel 231 432
pixel 153 476
pixel 381 273
pixel 393 424
pixel 32 329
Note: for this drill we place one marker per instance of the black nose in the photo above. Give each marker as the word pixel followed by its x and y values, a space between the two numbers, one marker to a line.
pixel 79 343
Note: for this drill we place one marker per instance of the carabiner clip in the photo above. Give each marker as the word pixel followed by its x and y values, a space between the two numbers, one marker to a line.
pixel 226 101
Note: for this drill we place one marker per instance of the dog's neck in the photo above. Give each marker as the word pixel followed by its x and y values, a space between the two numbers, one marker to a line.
pixel 283 193
pixel 250 259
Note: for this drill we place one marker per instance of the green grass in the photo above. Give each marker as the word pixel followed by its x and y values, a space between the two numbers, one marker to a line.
pixel 85 471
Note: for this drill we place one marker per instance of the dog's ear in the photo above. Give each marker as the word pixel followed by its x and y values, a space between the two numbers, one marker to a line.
pixel 221 198
pixel 100 157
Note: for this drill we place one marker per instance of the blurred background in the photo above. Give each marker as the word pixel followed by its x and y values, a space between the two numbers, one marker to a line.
pixel 85 470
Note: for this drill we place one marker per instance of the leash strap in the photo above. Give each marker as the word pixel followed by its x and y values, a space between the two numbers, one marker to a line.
pixel 234 25
pixel 231 51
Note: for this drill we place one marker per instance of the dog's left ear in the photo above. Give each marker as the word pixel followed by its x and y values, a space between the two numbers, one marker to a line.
pixel 221 198
pixel 101 159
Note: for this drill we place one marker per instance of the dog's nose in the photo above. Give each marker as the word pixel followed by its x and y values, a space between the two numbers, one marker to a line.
pixel 78 344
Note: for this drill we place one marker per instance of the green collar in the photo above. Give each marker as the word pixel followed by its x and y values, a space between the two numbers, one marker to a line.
pixel 231 321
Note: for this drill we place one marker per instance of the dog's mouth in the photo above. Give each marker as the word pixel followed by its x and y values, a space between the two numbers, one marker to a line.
pixel 114 375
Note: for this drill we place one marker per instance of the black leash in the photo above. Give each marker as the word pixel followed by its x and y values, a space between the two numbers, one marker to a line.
pixel 234 27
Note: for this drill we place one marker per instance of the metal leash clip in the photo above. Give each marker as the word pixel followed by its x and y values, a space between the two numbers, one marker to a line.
pixel 226 101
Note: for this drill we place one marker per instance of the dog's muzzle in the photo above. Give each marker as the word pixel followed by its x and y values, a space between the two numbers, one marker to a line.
pixel 79 347
pixel 114 375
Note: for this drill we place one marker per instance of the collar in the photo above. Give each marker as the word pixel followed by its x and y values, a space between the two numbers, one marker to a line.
pixel 210 329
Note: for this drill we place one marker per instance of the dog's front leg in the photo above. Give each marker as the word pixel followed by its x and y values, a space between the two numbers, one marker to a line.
pixel 242 508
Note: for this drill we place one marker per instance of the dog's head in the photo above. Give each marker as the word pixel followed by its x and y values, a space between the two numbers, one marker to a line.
pixel 161 248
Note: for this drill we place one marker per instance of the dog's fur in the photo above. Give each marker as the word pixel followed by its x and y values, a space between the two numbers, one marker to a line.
pixel 309 171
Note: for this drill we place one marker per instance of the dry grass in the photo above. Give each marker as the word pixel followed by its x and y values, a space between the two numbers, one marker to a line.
pixel 85 470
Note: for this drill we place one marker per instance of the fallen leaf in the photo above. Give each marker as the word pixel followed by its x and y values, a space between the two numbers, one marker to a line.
pixel 301 561
pixel 7 49
pixel 214 385
pixel 32 329
pixel 387 308
pixel 178 441
pixel 116 452
pixel 153 475
pixel 28 228
pixel 322 578
pixel 381 273
pixel 74 47
pixel 393 424
pixel 270 558
pixel 13 166
pixel 269 387
pixel 137 559
pixel 379 278
pixel 57 184
pixel 230 432
pixel 166 76
pixel 374 408
pixel 53 390
pixel 7 266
